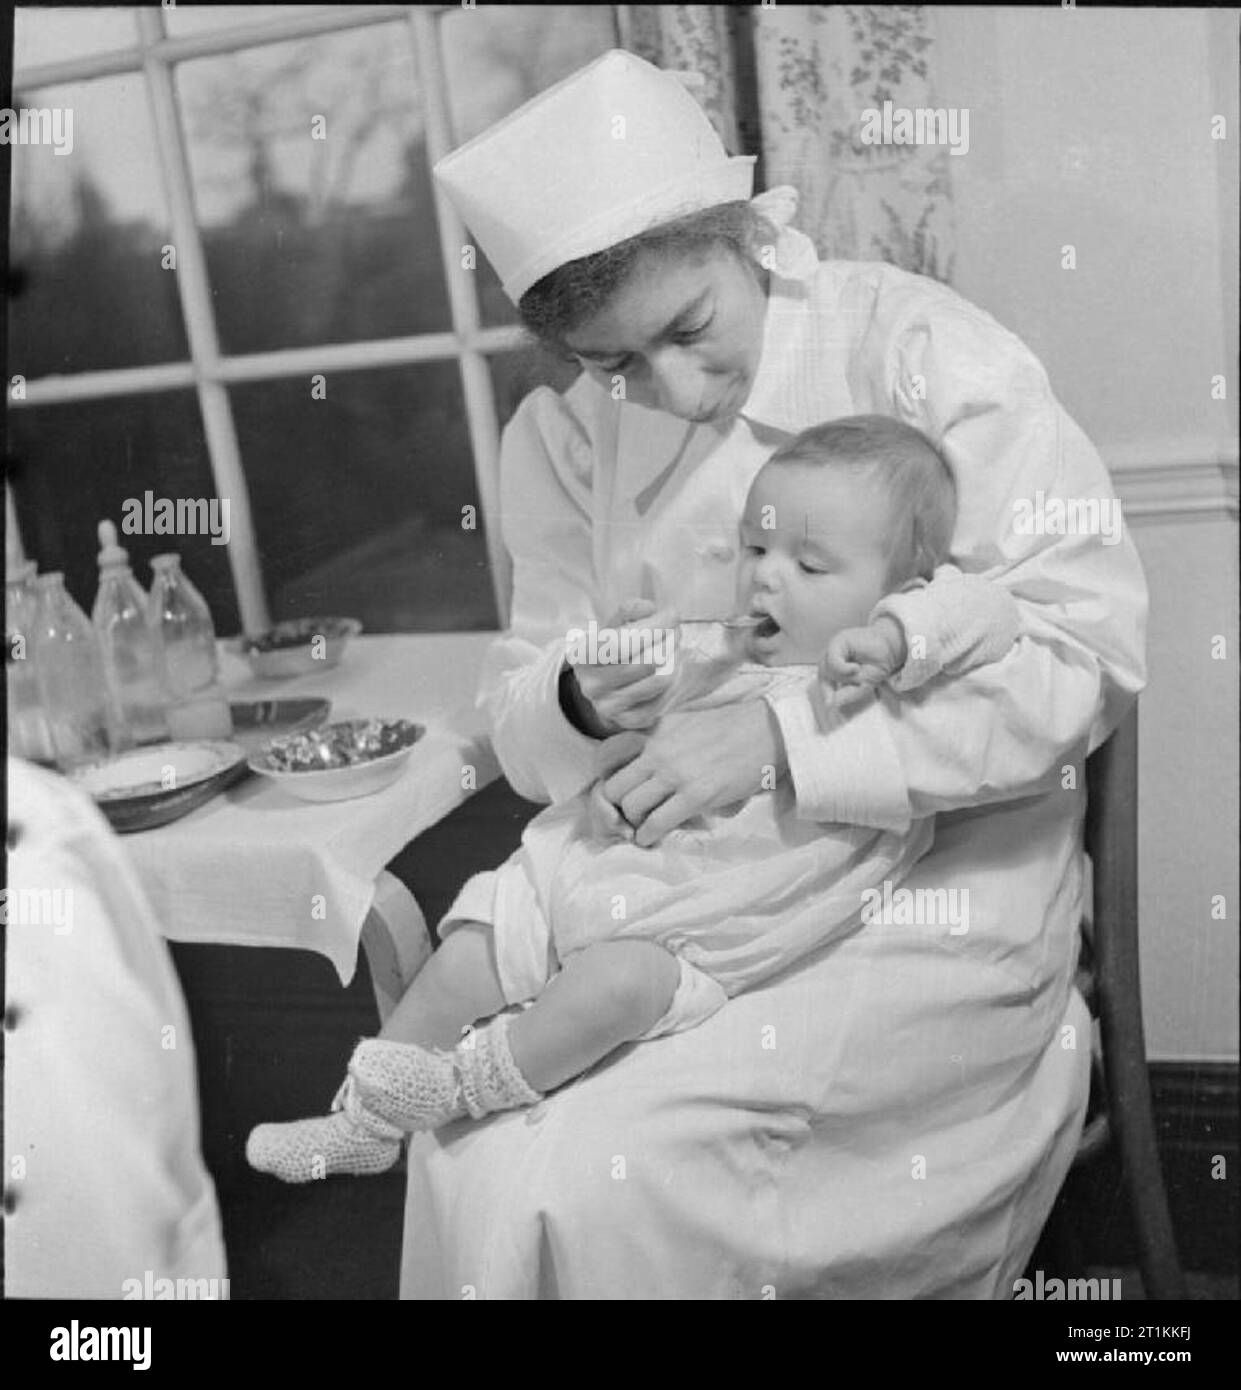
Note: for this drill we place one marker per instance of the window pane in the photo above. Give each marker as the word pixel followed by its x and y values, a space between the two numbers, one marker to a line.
pixel 498 56
pixel 358 499
pixel 88 232
pixel 43 35
pixel 312 240
pixel 193 19
pixel 77 464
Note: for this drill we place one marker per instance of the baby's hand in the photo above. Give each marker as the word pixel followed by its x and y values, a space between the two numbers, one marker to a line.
pixel 864 656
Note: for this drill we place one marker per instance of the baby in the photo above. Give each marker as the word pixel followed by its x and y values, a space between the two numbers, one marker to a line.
pixel 845 534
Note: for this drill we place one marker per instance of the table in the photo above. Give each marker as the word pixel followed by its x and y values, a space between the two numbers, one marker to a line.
pixel 257 867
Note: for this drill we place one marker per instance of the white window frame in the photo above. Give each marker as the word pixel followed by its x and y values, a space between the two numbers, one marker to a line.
pixel 209 371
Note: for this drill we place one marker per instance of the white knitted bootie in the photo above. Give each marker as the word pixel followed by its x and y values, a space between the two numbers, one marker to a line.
pixel 416 1088
pixel 409 1086
pixel 490 1079
pixel 353 1139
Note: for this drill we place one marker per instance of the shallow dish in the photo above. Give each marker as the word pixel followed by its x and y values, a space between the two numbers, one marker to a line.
pixel 354 757
pixel 298 647
pixel 257 722
pixel 149 787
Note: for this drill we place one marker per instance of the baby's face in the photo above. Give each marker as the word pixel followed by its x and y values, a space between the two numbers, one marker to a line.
pixel 814 558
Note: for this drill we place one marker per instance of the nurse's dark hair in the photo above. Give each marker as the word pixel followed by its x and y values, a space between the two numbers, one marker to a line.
pixel 573 293
pixel 914 475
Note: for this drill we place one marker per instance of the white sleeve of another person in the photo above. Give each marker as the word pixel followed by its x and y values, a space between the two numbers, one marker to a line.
pixel 105 1183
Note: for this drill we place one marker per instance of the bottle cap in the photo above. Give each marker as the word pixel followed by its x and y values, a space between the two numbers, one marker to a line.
pixel 165 562
pixel 111 555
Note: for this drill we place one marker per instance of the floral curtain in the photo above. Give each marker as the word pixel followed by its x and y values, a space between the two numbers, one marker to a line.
pixel 812 71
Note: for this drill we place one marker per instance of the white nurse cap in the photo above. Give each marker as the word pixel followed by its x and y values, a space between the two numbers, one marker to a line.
pixel 612 150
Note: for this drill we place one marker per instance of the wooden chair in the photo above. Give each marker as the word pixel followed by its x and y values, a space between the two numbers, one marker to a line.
pixel 1108 978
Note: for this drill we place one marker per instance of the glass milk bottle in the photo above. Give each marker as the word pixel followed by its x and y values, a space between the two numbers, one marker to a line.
pixel 179 617
pixel 29 733
pixel 131 655
pixel 84 721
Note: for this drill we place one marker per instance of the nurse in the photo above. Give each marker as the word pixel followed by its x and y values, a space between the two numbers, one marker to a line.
pixel 892 1118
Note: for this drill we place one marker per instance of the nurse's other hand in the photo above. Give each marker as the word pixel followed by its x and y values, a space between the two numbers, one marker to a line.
pixel 693 762
pixel 629 694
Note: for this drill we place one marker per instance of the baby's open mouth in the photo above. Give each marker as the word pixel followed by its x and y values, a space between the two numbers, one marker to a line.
pixel 766 626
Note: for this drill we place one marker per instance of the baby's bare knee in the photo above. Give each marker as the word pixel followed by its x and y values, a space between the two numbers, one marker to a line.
pixel 637 980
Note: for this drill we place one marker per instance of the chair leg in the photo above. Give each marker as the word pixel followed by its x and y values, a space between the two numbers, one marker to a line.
pixel 1134 1127
pixel 1113 840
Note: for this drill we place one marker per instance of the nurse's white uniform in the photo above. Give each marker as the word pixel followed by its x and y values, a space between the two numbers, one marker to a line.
pixel 893 1117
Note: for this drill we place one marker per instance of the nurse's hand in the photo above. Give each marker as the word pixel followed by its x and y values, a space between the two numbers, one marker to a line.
pixel 693 762
pixel 616 695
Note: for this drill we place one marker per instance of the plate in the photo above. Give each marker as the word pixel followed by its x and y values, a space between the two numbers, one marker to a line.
pixel 150 787
pixel 337 762
pixel 257 722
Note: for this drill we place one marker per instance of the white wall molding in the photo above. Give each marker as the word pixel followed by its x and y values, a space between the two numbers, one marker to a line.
pixel 1173 479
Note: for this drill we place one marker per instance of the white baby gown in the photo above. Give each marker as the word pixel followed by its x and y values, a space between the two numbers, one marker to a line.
pixel 738 894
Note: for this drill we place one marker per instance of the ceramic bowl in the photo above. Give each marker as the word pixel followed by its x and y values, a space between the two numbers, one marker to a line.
pixel 337 762
pixel 298 647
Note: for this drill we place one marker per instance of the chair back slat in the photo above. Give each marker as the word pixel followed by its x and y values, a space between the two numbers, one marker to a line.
pixel 1111 839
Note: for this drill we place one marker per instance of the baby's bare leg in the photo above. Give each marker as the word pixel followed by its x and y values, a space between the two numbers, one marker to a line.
pixel 456 987
pixel 606 994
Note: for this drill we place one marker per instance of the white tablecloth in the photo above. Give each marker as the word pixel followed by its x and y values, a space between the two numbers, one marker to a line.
pixel 255 867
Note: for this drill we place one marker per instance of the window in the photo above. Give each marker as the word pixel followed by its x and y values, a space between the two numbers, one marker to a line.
pixel 240 282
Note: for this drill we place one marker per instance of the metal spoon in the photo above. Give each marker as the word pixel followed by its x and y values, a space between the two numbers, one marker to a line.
pixel 737 623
